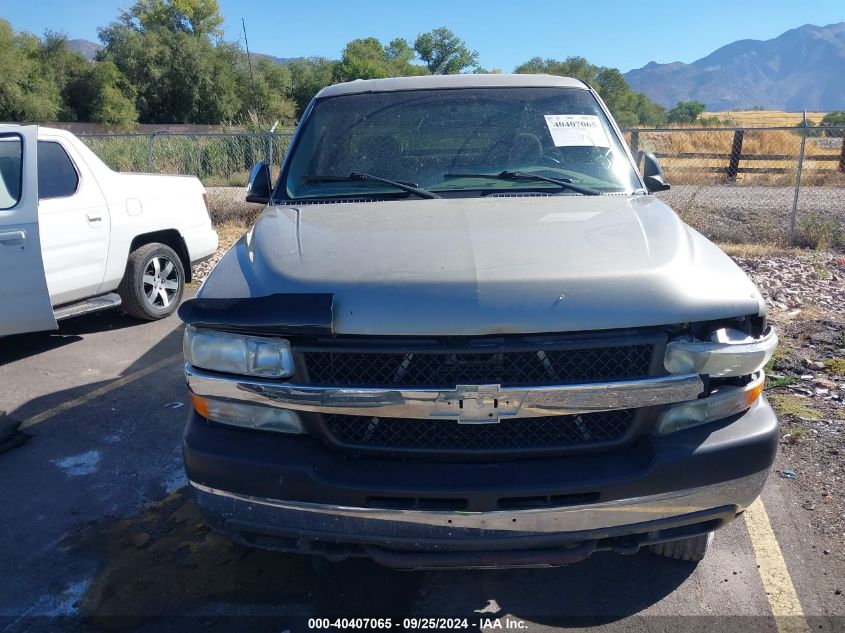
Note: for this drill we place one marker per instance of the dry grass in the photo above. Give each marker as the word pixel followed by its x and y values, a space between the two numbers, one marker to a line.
pixel 836 366
pixel 759 250
pixel 774 118
pixel 810 313
pixel 229 205
pixel 231 231
pixel 762 143
pixel 793 406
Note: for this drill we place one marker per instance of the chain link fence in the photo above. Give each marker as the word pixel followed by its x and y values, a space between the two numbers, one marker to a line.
pixel 775 184
pixel 218 159
pixel 738 185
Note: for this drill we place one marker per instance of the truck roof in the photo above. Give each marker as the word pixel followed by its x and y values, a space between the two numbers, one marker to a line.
pixel 431 82
pixel 42 129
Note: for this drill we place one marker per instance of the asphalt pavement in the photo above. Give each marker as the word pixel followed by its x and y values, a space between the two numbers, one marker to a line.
pixel 98 532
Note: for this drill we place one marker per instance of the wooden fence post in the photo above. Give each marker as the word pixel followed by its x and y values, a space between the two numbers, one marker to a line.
pixel 635 143
pixel 794 213
pixel 736 154
pixel 842 153
pixel 150 153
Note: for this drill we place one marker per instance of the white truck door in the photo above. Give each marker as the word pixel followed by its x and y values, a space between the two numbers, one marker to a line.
pixel 74 222
pixel 24 300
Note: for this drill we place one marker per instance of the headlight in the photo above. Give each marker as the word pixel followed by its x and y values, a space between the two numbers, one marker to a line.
pixel 727 353
pixel 722 403
pixel 251 416
pixel 238 353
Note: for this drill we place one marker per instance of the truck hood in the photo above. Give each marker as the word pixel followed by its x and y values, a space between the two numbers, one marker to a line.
pixel 493 265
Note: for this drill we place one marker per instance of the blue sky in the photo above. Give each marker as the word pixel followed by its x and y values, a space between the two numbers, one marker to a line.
pixel 613 33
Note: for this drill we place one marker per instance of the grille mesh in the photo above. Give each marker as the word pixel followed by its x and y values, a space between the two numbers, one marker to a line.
pixel 550 432
pixel 445 370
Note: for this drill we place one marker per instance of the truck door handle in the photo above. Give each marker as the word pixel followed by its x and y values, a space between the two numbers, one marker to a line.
pixel 13 238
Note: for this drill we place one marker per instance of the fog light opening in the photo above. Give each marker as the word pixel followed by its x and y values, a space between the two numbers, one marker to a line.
pixel 724 402
pixel 250 416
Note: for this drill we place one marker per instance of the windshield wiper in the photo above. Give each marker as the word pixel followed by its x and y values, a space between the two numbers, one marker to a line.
pixel 521 175
pixel 361 177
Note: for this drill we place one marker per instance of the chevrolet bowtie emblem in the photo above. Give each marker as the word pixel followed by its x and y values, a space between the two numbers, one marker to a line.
pixel 475 404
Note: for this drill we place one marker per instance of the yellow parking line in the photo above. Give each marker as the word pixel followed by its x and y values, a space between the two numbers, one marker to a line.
pixel 91 395
pixel 783 599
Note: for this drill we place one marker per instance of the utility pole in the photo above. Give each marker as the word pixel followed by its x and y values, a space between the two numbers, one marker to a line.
pixel 249 62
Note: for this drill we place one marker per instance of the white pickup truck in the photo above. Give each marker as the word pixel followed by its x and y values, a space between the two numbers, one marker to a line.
pixel 76 237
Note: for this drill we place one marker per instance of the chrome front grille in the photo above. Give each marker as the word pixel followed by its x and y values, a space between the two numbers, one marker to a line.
pixel 445 369
pixel 558 432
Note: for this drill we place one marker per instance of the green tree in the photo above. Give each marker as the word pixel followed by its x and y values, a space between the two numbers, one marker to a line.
pixel 178 73
pixel 197 17
pixel 65 68
pixel 400 57
pixel 575 67
pixel 444 53
pixel 27 90
pixel 363 59
pixel 308 77
pixel 370 59
pixel 270 101
pixel 833 119
pixel 648 112
pixel 110 98
pixel 686 112
pixel 836 118
pixel 399 52
pixel 629 108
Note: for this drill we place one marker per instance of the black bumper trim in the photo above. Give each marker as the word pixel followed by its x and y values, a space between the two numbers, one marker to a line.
pixel 300 468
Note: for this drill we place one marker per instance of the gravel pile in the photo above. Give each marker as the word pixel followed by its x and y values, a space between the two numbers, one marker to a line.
pixel 802 281
pixel 806 382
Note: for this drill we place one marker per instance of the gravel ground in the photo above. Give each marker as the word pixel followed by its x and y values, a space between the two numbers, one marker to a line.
pixel 806 379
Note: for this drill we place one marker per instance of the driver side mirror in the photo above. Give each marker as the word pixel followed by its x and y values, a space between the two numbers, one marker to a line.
pixel 653 174
pixel 260 187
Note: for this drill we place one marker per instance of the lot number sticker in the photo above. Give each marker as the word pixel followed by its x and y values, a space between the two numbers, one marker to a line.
pixel 577 130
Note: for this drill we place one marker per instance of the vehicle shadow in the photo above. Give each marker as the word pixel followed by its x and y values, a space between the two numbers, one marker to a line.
pixel 20 346
pixel 167 337
pixel 167 561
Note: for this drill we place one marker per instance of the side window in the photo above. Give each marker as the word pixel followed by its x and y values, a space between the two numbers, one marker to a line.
pixel 11 157
pixel 57 177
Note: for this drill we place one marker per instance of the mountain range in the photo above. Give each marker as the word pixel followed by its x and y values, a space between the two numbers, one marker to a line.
pixel 802 69
pixel 90 49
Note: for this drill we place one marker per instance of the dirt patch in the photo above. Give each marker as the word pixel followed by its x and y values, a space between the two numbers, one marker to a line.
pixel 227 233
pixel 166 561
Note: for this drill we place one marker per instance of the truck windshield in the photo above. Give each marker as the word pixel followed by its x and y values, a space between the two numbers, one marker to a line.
pixel 458 143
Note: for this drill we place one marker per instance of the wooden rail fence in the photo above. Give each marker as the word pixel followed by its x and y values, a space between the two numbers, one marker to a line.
pixel 734 159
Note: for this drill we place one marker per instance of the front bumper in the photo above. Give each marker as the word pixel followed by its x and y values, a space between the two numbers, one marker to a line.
pixel 294 494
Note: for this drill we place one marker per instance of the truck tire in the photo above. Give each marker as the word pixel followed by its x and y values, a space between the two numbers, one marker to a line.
pixel 692 549
pixel 153 283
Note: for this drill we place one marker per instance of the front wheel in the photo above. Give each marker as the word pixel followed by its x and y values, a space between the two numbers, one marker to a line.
pixel 153 283
pixel 692 549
